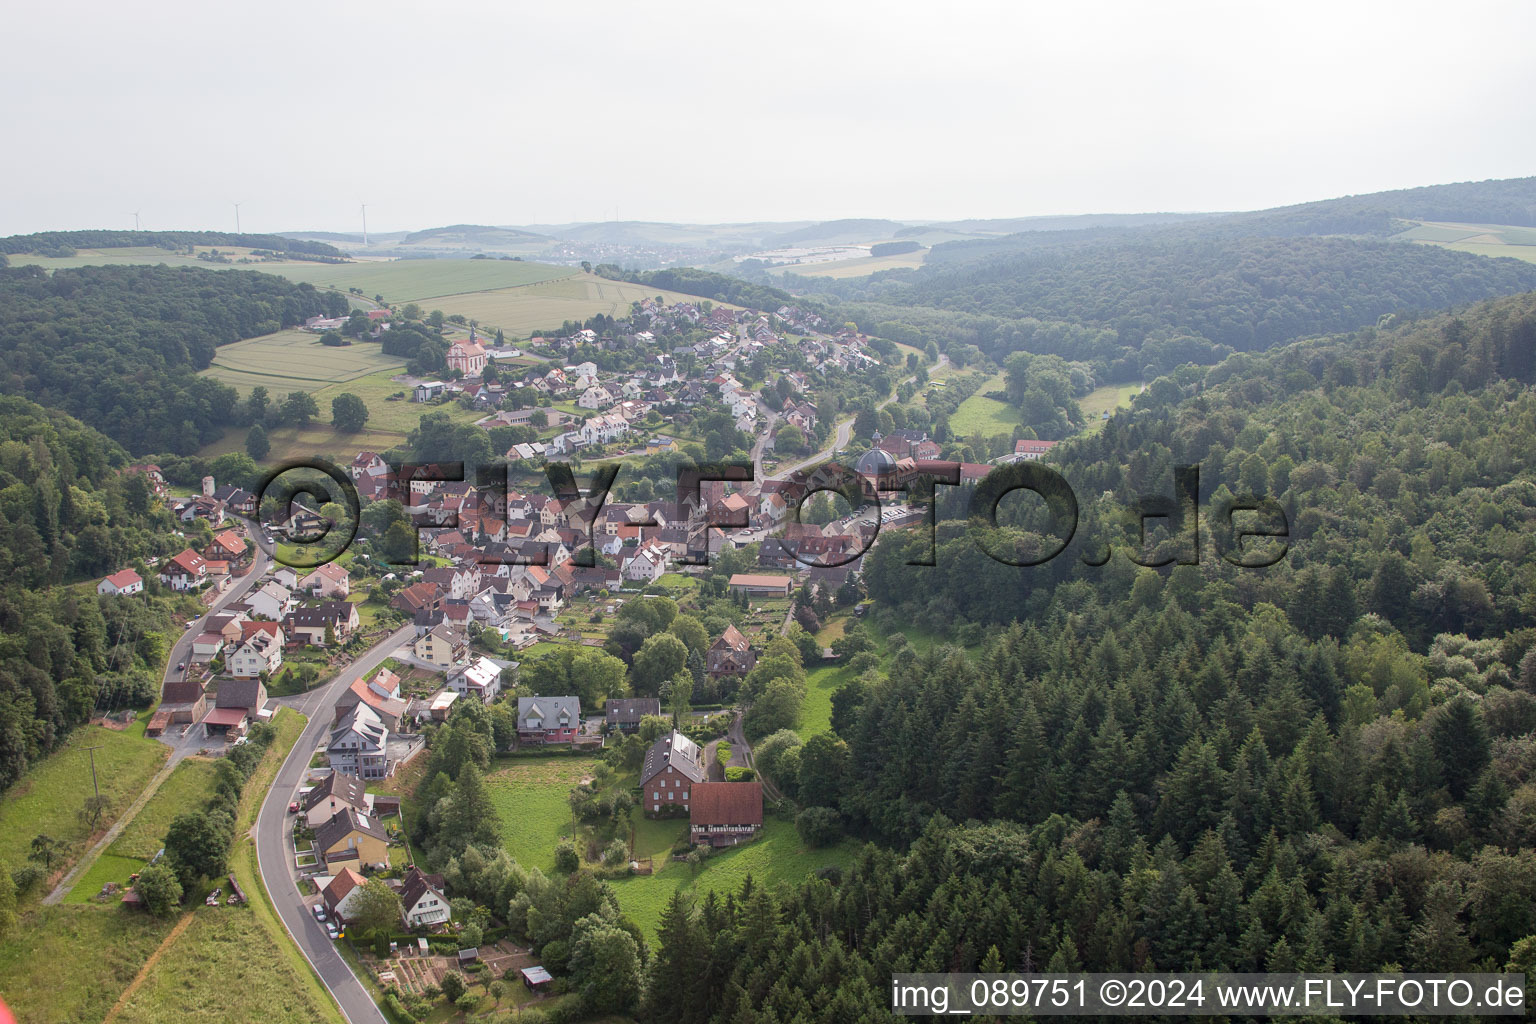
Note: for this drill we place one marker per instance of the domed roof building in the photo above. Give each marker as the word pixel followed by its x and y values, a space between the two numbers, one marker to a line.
pixel 875 463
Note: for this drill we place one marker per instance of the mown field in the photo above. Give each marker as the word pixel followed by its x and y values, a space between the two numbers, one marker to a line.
pixel 295 360
pixel 1479 239
pixel 48 798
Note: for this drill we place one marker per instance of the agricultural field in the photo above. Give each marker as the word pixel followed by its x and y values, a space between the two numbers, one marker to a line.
pixel 545 305
pixel 295 360
pixel 401 281
pixel 46 800
pixel 1478 239
pixel 861 267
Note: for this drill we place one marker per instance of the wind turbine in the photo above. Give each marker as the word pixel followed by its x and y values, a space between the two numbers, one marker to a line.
pixel 135 220
pixel 237 217
pixel 365 225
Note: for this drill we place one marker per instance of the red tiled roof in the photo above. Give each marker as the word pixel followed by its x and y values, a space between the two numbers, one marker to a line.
pixel 226 716
pixel 124 578
pixel 726 803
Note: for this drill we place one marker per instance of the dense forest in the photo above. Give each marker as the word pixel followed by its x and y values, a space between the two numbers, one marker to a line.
pixel 68 513
pixel 120 346
pixel 703 283
pixel 64 243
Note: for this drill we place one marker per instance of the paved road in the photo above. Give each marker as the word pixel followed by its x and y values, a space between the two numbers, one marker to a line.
pixel 274 854
pixel 181 746
pixel 844 432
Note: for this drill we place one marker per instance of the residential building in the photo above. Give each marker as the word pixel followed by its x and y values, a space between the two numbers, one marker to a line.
pixel 423 900
pixel 271 600
pixel 730 655
pixel 390 709
pixel 548 719
pixel 441 646
pixel 480 678
pixel 359 744
pixel 341 892
pixel 329 581
pixel 338 791
pixel 184 571
pixel 625 713
pixel 352 837
pixel 124 581
pixel 250 694
pixel 725 813
pixel 308 625
pixel 673 765
pixel 260 650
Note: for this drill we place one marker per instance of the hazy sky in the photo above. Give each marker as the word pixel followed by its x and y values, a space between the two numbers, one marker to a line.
pixel 513 113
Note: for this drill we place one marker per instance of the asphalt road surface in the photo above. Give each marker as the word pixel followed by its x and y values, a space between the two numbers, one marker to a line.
pixel 274 852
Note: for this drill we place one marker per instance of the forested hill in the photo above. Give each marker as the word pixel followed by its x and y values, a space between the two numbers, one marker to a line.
pixel 119 347
pixel 67 513
pixel 64 243
pixel 1328 765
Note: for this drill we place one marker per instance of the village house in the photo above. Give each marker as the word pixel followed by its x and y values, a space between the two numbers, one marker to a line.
pixel 184 571
pixel 480 678
pixel 441 646
pixel 423 903
pixel 646 565
pixel 309 625
pixel 124 581
pixel 340 894
pixel 1028 451
pixel 673 765
pixel 352 838
pixel 359 744
pixel 725 813
pixel 377 694
pixel 271 600
pixel 730 655
pixel 338 791
pixel 543 720
pixel 329 581
pixel 625 713
pixel 260 650
pixel 228 546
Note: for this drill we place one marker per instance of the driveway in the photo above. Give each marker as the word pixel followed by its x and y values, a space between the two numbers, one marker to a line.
pixel 272 846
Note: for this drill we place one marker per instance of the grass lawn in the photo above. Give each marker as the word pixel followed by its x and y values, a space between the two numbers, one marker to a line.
pixel 776 856
pixel 47 798
pixel 816 712
pixel 530 795
pixel 545 305
pixel 109 867
pixel 67 963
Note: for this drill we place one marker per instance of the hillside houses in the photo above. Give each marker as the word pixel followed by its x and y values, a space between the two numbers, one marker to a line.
pixel 673 765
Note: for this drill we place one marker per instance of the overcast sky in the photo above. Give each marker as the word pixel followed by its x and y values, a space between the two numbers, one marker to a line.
pixel 514 113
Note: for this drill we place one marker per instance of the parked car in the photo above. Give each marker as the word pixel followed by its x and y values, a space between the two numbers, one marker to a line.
pixel 293 808
pixel 330 927
pixel 319 911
